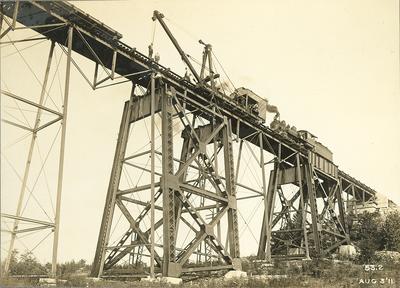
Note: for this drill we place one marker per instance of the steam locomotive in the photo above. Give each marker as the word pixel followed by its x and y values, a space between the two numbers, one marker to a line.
pixel 251 102
pixel 320 157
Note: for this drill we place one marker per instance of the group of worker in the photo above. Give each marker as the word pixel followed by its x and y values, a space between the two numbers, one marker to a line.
pixel 157 59
pixel 151 51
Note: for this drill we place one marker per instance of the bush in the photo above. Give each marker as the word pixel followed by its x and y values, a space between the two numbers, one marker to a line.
pixel 391 232
pixel 372 233
pixel 26 264
pixel 71 267
pixel 367 235
pixel 75 281
pixel 368 247
pixel 316 267
pixel 388 257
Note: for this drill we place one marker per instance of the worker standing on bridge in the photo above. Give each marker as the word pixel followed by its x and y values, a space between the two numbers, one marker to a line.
pixel 157 57
pixel 151 51
pixel 187 76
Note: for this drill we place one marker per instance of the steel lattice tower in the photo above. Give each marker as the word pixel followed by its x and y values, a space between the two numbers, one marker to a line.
pixel 174 188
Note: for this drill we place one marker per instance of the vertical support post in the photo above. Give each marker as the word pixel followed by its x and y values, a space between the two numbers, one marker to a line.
pixel 216 166
pixel 230 185
pixel 104 234
pixel 261 251
pixel 303 211
pixel 29 159
pixel 187 146
pixel 342 212
pixel 264 226
pixel 353 191
pixel 271 204
pixel 61 159
pixel 152 178
pixel 169 268
pixel 236 176
pixel 313 204
pixel 363 198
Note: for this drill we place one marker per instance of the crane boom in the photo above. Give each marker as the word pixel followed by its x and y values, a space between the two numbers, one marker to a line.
pixel 159 16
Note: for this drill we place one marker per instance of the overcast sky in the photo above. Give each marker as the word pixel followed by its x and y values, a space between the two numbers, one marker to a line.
pixel 332 67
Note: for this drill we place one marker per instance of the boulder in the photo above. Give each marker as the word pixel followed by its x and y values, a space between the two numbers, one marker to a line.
pixel 348 251
pixel 235 274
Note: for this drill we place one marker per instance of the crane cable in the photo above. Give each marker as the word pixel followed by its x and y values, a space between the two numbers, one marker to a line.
pixel 154 32
pixel 226 74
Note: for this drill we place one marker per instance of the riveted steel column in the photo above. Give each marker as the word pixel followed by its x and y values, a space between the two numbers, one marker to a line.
pixel 302 205
pixel 313 205
pixel 264 246
pixel 167 111
pixel 233 228
pixel 342 212
pixel 104 234
pixel 62 150
pixel 261 246
pixel 152 178
pixel 271 203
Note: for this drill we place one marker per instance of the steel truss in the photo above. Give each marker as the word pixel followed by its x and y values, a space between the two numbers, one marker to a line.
pixel 310 221
pixel 217 193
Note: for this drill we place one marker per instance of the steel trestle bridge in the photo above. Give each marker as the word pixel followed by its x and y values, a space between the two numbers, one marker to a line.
pixel 195 186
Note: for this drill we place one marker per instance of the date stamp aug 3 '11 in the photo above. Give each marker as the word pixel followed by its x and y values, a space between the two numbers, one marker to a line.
pixel 375 279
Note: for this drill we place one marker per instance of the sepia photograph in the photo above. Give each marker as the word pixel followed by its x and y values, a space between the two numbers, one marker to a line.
pixel 201 144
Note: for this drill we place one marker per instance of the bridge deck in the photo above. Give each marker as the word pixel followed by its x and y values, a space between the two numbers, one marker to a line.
pixel 105 44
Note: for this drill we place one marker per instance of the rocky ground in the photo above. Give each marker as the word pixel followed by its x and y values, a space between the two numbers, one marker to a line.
pixel 323 273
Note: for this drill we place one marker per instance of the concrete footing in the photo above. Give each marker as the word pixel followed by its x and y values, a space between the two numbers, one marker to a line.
pixel 148 279
pixel 171 280
pixel 235 274
pixel 167 280
pixel 94 279
pixel 50 282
